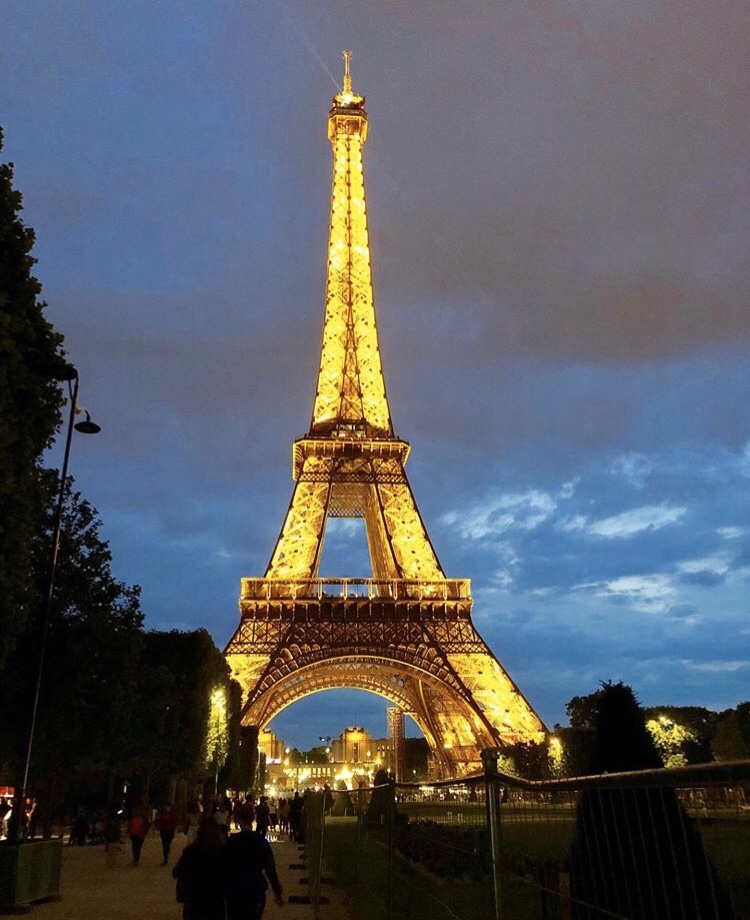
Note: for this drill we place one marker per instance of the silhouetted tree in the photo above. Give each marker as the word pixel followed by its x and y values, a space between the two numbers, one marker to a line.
pixel 166 739
pixel 242 765
pixel 416 756
pixel 731 740
pixel 93 644
pixel 636 854
pixel 29 408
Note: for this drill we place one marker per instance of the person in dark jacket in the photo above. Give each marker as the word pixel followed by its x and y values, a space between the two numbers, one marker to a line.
pixel 249 868
pixel 295 816
pixel 199 874
pixel 263 816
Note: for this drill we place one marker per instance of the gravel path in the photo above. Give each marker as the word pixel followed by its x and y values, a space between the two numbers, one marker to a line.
pixel 89 890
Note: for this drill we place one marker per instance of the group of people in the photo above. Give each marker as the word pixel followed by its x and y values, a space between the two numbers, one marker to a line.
pixel 219 876
pixel 271 815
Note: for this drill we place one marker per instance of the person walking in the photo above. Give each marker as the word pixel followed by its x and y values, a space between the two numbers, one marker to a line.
pixel 221 817
pixel 283 816
pixel 295 815
pixel 249 868
pixel 263 816
pixel 199 873
pixel 112 836
pixel 192 823
pixel 137 828
pixel 79 832
pixel 166 824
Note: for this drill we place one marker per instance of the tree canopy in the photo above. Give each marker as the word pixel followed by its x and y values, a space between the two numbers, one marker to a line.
pixel 29 406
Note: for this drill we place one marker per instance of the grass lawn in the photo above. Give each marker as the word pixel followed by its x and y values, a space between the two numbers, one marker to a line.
pixel 530 842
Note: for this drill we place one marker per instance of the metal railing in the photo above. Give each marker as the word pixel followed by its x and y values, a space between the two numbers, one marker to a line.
pixel 265 589
pixel 652 845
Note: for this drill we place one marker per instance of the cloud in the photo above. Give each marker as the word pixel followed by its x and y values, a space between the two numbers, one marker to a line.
pixel 731 533
pixel 647 593
pixel 716 667
pixel 630 523
pixel 507 512
pixel 627 524
pixel 634 467
pixel 712 565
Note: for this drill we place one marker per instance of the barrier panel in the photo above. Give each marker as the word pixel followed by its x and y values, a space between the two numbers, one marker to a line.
pixel 653 845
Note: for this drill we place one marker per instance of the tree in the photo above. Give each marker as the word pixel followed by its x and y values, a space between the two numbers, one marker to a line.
pixel 636 853
pixel 682 734
pixel 416 757
pixel 582 710
pixel 242 764
pixel 94 640
pixel 732 737
pixel 29 408
pixel 167 740
pixel 527 759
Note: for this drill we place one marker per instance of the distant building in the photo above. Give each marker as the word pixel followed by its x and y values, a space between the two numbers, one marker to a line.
pixel 352 758
pixel 270 745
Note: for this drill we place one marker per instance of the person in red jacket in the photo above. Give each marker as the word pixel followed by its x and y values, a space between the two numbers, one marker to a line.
pixel 166 824
pixel 137 827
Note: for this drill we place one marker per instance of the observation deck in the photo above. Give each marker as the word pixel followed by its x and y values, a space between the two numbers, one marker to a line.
pixel 369 589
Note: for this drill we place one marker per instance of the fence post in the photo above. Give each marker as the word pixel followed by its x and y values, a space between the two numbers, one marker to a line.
pixel 360 821
pixel 390 817
pixel 316 902
pixel 315 816
pixel 492 789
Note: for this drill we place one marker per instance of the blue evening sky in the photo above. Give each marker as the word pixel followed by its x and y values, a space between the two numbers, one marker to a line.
pixel 558 199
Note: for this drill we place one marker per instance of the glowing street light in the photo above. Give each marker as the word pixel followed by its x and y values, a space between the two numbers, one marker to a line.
pixel 217 733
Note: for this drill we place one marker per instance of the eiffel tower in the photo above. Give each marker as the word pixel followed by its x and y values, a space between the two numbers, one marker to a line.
pixel 406 633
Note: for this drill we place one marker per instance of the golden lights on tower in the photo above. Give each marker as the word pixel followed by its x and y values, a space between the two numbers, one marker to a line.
pixel 404 633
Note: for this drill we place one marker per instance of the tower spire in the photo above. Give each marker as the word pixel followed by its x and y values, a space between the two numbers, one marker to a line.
pixel 350 399
pixel 347 75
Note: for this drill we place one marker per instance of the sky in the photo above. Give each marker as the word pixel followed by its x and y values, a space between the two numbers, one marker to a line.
pixel 559 209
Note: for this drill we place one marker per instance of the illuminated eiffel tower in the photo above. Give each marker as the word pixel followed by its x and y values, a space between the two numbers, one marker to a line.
pixel 405 634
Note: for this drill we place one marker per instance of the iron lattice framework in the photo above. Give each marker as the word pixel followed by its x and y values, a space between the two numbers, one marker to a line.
pixel 405 634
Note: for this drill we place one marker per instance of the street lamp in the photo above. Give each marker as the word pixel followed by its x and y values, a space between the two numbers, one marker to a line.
pixel 65 373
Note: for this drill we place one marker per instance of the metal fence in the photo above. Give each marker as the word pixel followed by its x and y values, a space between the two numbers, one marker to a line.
pixel 652 845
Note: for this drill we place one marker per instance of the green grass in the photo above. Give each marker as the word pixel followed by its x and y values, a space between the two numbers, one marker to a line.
pixel 416 894
pixel 529 843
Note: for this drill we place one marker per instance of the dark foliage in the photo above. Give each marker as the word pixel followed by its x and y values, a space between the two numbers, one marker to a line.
pixel 731 739
pixel 115 702
pixel 175 678
pixel 636 854
pixel 242 763
pixel 29 408
pixel 94 639
pixel 578 747
pixel 530 759
pixel 446 851
pixel 416 756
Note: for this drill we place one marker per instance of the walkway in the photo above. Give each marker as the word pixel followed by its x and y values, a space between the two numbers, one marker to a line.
pixel 91 891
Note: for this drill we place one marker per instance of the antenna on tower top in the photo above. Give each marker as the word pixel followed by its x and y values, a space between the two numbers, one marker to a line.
pixel 347 75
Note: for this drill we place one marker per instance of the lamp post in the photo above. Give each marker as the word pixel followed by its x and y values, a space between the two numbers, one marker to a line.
pixel 68 374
